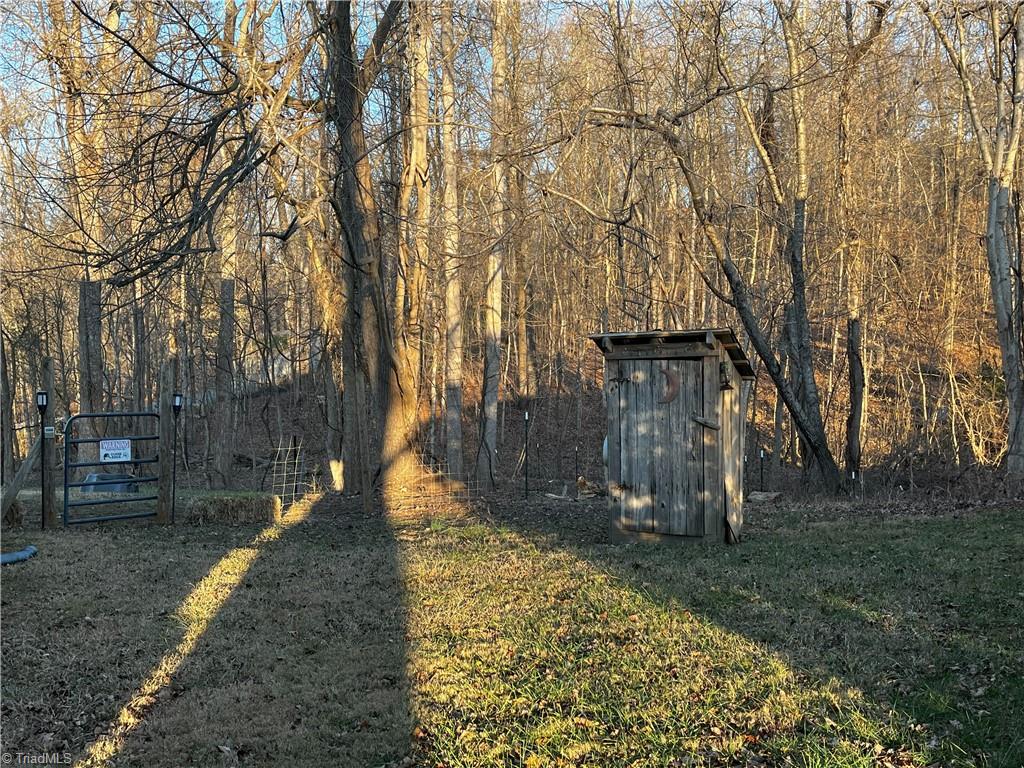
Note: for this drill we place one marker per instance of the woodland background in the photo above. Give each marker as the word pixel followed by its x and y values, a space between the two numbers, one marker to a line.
pixel 378 228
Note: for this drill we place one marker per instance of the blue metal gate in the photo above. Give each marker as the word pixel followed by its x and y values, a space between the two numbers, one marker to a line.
pixel 113 460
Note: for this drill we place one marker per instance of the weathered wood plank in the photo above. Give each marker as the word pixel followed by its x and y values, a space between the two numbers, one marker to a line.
pixel 680 448
pixel 642 445
pixel 664 386
pixel 660 352
pixel 741 426
pixel 613 385
pixel 648 442
pixel 627 440
pixel 713 485
pixel 697 500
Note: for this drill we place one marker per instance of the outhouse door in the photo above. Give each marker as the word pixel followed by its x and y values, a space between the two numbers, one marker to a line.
pixel 660 448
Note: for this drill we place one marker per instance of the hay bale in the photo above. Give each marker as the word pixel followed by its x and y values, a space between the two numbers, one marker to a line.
pixel 15 515
pixel 763 497
pixel 234 507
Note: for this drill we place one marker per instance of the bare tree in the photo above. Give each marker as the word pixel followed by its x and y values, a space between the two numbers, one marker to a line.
pixel 487 452
pixel 453 310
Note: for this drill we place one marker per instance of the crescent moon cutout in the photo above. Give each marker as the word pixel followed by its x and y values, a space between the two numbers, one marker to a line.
pixel 671 385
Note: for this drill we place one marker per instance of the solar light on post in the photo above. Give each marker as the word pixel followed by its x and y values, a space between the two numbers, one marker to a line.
pixel 176 402
pixel 42 401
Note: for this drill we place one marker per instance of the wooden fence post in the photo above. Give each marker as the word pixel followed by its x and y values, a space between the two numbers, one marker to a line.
pixel 165 491
pixel 49 449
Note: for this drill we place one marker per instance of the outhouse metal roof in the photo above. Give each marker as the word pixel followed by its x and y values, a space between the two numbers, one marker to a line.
pixel 724 336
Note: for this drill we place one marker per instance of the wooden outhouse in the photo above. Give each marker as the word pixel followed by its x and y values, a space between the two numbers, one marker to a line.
pixel 675 433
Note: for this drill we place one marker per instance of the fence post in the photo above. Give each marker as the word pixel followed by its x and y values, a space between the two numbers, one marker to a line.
pixel 165 483
pixel 49 449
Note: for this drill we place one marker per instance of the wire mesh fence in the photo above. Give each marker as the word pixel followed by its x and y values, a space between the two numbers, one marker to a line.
pixel 288 472
pixel 435 489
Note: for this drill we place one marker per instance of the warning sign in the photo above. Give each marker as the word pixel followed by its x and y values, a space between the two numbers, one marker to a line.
pixel 115 451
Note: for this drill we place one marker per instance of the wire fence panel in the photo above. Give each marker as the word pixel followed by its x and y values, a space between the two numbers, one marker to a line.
pixel 288 472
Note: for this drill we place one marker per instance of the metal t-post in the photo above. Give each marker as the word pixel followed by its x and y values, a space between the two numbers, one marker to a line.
pixel 526 456
pixel 176 402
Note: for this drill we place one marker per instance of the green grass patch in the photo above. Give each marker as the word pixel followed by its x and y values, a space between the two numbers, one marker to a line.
pixel 519 637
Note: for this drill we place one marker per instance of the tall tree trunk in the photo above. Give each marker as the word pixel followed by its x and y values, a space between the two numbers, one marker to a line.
pixel 6 419
pixel 524 359
pixel 803 350
pixel 487 453
pixel 90 364
pixel 855 417
pixel 450 243
pixel 415 181
pixel 367 326
pixel 329 294
pixel 401 470
pixel 851 252
pixel 223 433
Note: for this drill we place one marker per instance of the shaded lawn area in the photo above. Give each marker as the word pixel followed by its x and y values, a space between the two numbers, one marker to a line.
pixel 513 635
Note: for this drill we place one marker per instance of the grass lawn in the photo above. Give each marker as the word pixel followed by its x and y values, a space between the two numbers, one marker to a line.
pixel 512 635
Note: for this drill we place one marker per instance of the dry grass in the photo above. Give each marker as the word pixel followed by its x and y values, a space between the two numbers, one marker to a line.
pixel 208 645
pixel 513 635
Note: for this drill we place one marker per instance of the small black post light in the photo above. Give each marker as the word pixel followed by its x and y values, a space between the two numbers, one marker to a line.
pixel 177 401
pixel 42 401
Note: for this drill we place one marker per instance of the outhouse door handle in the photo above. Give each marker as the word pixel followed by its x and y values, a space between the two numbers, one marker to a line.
pixel 706 422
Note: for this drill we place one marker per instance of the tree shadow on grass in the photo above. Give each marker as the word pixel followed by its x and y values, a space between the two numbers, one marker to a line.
pixel 920 620
pixel 86 618
pixel 303 665
pixel 280 646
